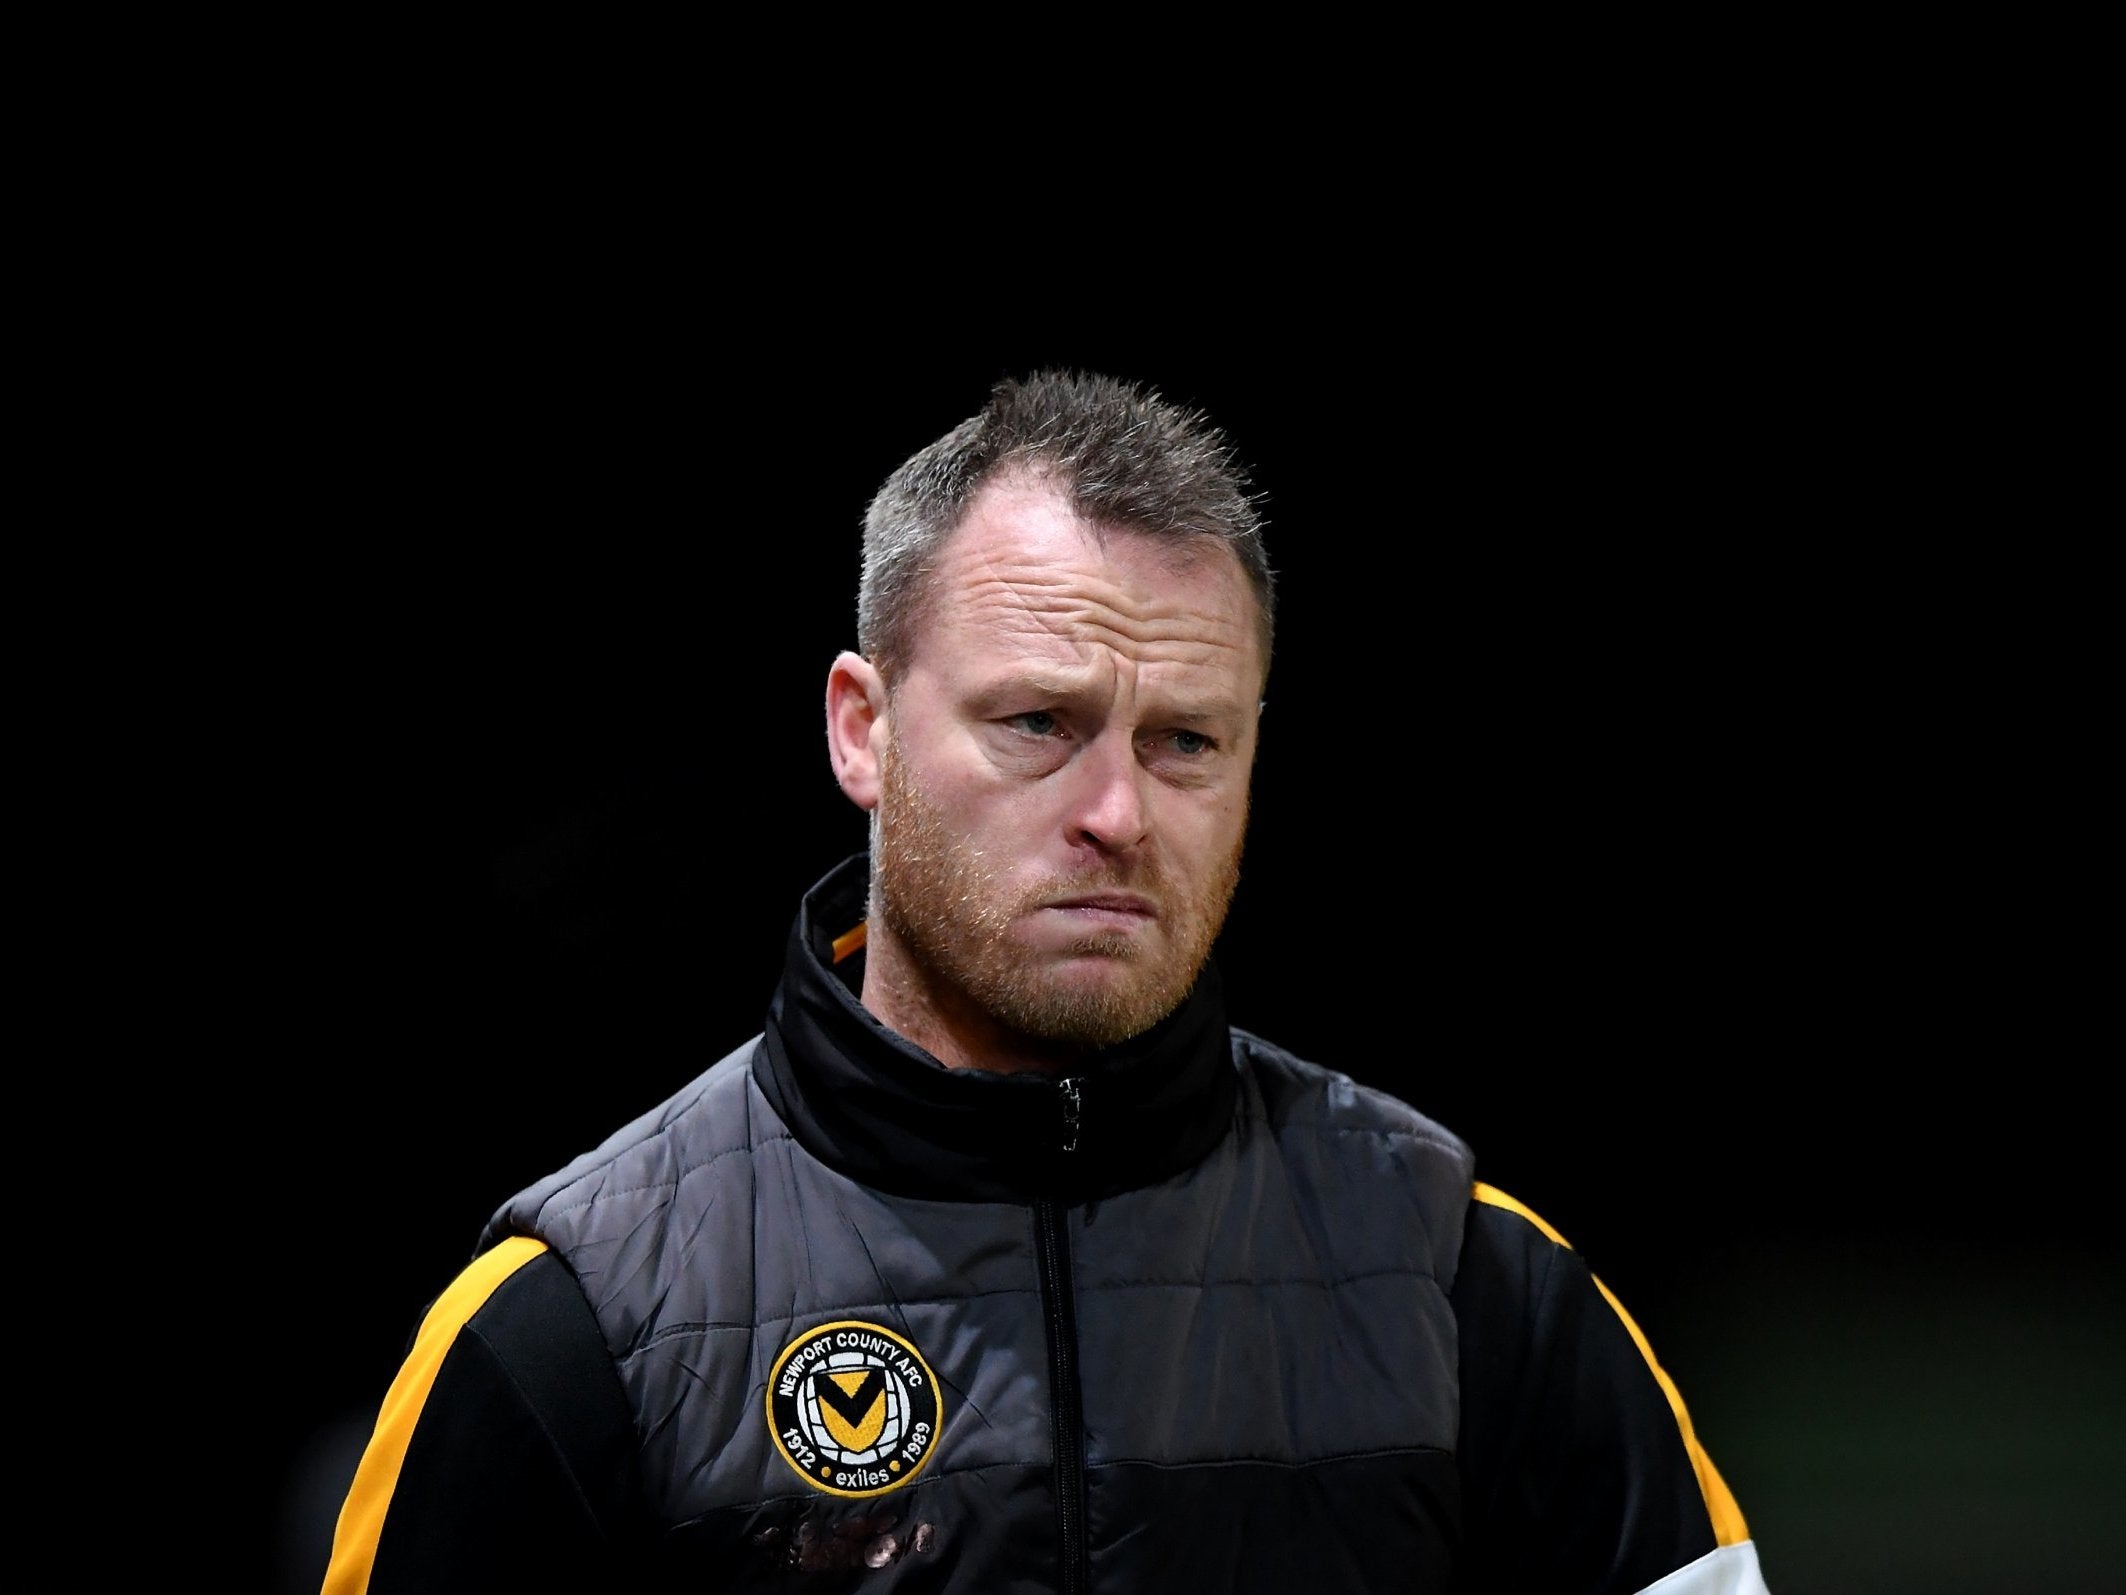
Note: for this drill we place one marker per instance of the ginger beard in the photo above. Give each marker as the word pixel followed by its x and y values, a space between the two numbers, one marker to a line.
pixel 953 912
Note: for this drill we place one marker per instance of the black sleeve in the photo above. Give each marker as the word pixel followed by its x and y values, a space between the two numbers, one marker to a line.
pixel 1579 1471
pixel 504 1458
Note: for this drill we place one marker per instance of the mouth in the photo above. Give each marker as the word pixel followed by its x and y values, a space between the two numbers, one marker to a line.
pixel 1115 908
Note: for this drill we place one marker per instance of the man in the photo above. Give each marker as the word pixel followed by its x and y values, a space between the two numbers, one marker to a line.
pixel 999 1261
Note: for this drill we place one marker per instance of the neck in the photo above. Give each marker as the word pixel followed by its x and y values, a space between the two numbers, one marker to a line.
pixel 946 1024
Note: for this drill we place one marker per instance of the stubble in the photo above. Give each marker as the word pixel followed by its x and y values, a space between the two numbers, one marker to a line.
pixel 949 909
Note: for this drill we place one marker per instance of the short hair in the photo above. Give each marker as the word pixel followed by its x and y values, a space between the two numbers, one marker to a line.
pixel 1120 453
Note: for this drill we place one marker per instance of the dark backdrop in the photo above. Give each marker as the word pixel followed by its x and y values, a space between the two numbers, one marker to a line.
pixel 1644 793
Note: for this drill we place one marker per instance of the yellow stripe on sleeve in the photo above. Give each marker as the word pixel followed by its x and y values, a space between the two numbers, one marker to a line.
pixel 1729 1527
pixel 361 1518
pixel 1495 1197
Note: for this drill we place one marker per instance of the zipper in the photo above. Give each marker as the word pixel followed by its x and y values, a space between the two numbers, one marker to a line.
pixel 1052 1243
pixel 1073 1111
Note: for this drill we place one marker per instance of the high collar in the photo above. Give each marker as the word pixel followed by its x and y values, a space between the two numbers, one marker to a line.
pixel 878 1108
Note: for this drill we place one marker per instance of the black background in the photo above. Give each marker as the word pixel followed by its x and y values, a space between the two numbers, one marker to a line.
pixel 1652 790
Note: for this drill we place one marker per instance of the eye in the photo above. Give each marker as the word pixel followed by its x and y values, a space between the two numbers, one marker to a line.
pixel 1036 723
pixel 1193 744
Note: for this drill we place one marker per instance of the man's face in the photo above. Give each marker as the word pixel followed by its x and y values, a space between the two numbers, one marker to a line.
pixel 1064 781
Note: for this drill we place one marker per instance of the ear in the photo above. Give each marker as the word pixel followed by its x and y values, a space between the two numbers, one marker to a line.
pixel 856 709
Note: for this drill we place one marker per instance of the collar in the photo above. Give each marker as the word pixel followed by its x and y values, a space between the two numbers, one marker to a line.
pixel 874 1106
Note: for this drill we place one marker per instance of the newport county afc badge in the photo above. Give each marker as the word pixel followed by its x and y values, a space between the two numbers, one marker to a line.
pixel 854 1408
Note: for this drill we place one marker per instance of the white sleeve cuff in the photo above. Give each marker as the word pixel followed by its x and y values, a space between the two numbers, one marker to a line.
pixel 1731 1570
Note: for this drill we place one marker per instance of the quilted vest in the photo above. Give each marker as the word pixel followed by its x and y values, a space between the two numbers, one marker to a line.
pixel 870 1316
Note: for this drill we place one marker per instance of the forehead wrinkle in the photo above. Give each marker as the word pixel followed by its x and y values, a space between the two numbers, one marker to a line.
pixel 1031 580
pixel 1149 631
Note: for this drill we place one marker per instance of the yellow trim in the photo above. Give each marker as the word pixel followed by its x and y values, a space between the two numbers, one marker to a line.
pixel 361 1518
pixel 849 941
pixel 1495 1197
pixel 1729 1526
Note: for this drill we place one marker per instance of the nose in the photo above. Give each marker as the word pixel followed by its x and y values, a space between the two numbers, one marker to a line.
pixel 1108 807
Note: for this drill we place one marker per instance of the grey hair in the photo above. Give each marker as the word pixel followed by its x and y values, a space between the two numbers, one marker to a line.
pixel 1119 452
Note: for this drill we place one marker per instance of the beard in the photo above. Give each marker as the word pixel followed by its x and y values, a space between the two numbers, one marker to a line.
pixel 952 910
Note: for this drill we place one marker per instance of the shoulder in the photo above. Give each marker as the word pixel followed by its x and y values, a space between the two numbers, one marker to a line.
pixel 1369 1147
pixel 1568 1417
pixel 1299 1097
pixel 502 1454
pixel 521 1304
pixel 716 1117
pixel 1525 1291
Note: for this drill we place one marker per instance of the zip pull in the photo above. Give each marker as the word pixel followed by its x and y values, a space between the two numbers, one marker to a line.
pixel 1072 1107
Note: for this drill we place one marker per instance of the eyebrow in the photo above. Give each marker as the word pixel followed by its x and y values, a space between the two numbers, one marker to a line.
pixel 996 694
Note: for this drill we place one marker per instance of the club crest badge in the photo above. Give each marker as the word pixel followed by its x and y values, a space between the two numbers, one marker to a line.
pixel 854 1408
